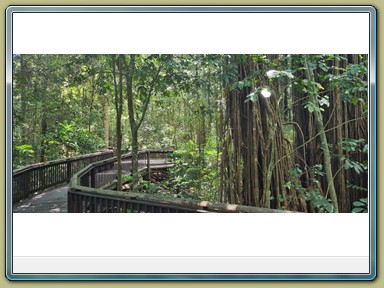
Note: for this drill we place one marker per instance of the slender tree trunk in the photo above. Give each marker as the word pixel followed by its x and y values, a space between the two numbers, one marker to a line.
pixel 343 197
pixel 24 88
pixel 323 139
pixel 106 119
pixel 44 122
pixel 118 107
pixel 132 123
pixel 135 160
pixel 91 106
pixel 43 134
pixel 136 123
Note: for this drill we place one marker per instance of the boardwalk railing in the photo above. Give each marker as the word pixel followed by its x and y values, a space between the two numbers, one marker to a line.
pixel 87 193
pixel 103 173
pixel 40 176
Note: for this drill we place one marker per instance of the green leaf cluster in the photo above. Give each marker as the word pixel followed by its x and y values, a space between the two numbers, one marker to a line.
pixel 360 206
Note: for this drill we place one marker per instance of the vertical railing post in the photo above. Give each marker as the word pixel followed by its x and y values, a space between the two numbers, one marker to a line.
pixel 70 201
pixel 41 171
pixel 149 164
pixel 75 208
pixel 69 170
pixel 85 180
pixel 93 177
pixel 26 183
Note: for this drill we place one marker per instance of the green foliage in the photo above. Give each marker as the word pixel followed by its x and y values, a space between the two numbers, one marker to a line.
pixel 318 201
pixel 126 178
pixel 311 193
pixel 312 107
pixel 253 96
pixel 149 187
pixel 279 74
pixel 190 178
pixel 360 206
pixel 324 101
pixel 55 90
pixel 352 83
pixel 241 84
pixel 187 110
pixel 318 104
pixel 354 146
pixel 25 149
pixel 72 136
pixel 316 170
pixel 357 187
pixel 22 155
pixel 65 135
pixel 356 166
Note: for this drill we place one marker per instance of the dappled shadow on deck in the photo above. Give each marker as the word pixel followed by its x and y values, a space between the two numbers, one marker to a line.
pixel 52 201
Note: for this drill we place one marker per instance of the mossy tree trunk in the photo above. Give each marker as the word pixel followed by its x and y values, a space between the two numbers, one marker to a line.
pixel 323 138
pixel 255 159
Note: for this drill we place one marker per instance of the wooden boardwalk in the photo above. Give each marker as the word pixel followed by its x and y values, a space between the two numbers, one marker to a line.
pixel 52 201
pixel 55 200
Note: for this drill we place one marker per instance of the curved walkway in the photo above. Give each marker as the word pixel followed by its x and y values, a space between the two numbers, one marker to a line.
pixel 55 200
pixel 52 201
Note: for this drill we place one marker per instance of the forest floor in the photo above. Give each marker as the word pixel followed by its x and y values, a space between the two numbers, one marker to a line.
pixel 52 201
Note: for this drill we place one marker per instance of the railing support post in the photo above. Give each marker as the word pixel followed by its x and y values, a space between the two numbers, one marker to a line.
pixel 93 178
pixel 26 183
pixel 69 170
pixel 70 201
pixel 149 165
pixel 42 174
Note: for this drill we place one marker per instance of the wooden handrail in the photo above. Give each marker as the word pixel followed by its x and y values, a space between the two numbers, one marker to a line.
pixel 75 180
pixel 147 200
pixel 58 161
pixel 37 177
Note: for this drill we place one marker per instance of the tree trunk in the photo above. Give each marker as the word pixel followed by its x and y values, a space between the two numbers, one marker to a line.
pixel 43 134
pixel 135 160
pixel 136 123
pixel 132 122
pixel 323 139
pixel 106 119
pixel 118 107
pixel 255 160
